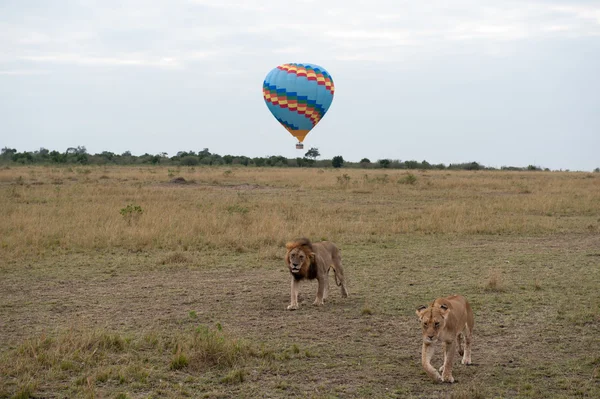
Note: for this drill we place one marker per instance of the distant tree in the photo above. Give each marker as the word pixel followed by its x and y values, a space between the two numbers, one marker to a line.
pixel 384 163
pixel 365 160
pixel 81 158
pixel 337 161
pixel 7 153
pixel 108 155
pixel 313 153
pixel 42 153
pixel 57 157
pixel 259 161
pixel 204 153
pixel 411 164
pixel 277 161
pixel 126 154
pixel 189 160
pixel 22 157
pixel 597 170
pixel 474 166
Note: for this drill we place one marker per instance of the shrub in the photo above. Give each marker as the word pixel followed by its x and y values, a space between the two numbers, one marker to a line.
pixel 189 160
pixel 131 213
pixel 337 161
pixel 384 163
pixel 408 179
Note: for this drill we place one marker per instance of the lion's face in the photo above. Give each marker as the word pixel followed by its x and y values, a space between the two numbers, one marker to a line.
pixel 433 321
pixel 297 257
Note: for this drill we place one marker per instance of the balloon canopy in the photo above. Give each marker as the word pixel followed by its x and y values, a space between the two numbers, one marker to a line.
pixel 298 96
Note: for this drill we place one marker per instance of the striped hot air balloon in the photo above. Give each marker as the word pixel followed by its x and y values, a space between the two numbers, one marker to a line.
pixel 298 96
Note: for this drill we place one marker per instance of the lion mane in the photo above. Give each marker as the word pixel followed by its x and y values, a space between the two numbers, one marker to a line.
pixel 308 261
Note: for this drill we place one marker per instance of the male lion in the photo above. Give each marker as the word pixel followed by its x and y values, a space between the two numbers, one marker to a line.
pixel 448 320
pixel 307 260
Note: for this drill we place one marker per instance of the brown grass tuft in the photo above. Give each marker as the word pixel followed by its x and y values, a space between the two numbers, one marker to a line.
pixel 494 281
pixel 174 258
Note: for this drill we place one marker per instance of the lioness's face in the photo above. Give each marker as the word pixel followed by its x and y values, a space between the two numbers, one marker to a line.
pixel 432 323
pixel 297 259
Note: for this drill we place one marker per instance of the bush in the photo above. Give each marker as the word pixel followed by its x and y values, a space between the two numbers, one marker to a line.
pixel 408 179
pixel 384 163
pixel 189 160
pixel 131 213
pixel 337 161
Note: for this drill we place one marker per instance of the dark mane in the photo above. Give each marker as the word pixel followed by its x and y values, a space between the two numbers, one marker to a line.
pixel 303 242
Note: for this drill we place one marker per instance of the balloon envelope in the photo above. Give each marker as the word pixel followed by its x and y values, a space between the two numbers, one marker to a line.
pixel 298 96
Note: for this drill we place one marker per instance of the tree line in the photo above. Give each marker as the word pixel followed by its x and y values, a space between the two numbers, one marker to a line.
pixel 79 155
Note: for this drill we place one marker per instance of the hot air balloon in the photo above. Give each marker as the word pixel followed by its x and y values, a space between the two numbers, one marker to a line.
pixel 298 96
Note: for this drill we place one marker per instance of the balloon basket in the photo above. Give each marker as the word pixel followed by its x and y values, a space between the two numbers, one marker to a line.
pixel 299 146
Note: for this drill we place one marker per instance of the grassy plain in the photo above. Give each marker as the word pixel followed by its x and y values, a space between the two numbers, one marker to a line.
pixel 183 293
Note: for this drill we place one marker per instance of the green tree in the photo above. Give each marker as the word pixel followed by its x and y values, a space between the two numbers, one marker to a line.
pixel 189 160
pixel 384 163
pixel 313 153
pixel 7 153
pixel 337 161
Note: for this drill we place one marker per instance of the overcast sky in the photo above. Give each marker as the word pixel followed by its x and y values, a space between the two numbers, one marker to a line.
pixel 504 82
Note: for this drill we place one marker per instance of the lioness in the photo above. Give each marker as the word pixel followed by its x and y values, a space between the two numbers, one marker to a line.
pixel 444 320
pixel 307 260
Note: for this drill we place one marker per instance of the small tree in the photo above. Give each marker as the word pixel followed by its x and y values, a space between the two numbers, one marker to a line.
pixel 313 153
pixel 337 161
pixel 7 153
pixel 384 163
pixel 365 160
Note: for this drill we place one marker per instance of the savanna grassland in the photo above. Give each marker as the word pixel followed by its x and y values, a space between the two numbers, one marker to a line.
pixel 136 282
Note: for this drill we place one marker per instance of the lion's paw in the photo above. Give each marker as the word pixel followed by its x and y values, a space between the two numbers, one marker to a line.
pixel 449 379
pixel 292 307
pixel 466 362
pixel 318 303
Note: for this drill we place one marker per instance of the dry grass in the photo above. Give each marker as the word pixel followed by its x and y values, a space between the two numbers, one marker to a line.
pixel 187 297
pixel 494 281
pixel 90 359
pixel 250 208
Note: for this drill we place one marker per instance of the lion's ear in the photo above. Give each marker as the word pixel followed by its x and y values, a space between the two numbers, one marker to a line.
pixel 312 257
pixel 444 310
pixel 420 310
pixel 290 245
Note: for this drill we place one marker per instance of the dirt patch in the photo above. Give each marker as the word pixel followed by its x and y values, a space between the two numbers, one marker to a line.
pixel 179 180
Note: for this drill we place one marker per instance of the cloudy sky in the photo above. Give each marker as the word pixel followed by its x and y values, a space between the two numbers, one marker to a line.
pixel 503 82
